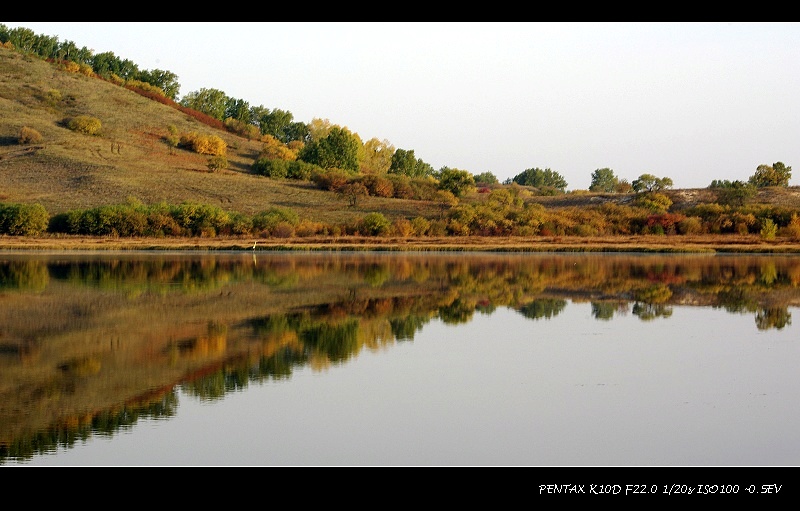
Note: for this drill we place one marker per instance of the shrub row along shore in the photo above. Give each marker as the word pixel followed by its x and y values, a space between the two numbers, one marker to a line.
pixel 732 243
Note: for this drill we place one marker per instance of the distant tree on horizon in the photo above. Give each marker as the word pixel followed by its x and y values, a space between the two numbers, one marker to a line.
pixel 604 180
pixel 776 175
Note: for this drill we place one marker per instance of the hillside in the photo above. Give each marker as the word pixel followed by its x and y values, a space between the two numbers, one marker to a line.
pixel 131 160
pixel 70 170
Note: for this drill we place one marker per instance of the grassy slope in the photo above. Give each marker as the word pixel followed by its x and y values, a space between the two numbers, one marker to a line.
pixel 70 170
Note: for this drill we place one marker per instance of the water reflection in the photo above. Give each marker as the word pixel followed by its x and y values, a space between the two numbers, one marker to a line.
pixel 92 344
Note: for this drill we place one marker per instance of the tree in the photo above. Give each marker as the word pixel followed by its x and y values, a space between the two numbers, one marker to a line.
pixel 776 175
pixel 339 149
pixel 651 183
pixel 237 109
pixel 318 129
pixel 458 182
pixel 211 102
pixel 486 178
pixel 297 132
pixel 377 156
pixel 541 178
pixel 734 193
pixel 164 80
pixel 375 224
pixel 105 64
pixel 275 122
pixel 604 180
pixel 445 200
pixel 405 163
pixel 352 192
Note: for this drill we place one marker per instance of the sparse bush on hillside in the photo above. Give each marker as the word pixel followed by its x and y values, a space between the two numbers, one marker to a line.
pixel 330 179
pixel 204 144
pixel 377 186
pixel 115 79
pixel 271 168
pixel 85 124
pixel 53 97
pixel 69 66
pixel 352 192
pixel 654 201
pixel 29 135
pixel 243 129
pixel 143 86
pixel 216 163
pixel 173 137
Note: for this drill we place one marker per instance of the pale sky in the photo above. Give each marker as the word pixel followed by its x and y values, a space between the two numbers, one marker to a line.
pixel 693 101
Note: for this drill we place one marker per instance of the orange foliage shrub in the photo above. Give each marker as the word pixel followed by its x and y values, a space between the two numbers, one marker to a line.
pixel 29 136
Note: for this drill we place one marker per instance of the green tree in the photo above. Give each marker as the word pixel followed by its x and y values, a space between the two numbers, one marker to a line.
pixel 375 224
pixel 404 162
pixel 238 109
pixel 776 175
pixel 604 180
pixel 651 183
pixel 542 308
pixel 105 64
pixel 167 81
pixel 276 122
pixel 541 178
pixel 339 149
pixel 733 193
pixel 486 178
pixel 458 182
pixel 211 102
pixel 297 131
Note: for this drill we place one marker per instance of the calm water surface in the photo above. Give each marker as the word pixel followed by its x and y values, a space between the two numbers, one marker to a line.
pixel 399 359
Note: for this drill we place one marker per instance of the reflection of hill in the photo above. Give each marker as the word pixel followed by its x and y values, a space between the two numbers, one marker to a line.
pixel 91 342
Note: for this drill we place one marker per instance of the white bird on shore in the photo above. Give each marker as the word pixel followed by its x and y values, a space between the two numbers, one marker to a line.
pixel 254 244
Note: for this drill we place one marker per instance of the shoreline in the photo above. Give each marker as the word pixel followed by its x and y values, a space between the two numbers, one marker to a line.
pixel 725 243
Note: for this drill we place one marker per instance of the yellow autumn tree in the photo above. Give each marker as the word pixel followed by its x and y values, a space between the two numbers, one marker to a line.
pixel 377 156
pixel 274 149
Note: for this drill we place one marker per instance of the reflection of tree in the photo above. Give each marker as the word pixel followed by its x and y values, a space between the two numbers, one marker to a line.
pixel 649 311
pixel 769 274
pixel 376 275
pixel 290 311
pixel 457 312
pixel 606 310
pixel 736 300
pixel 76 429
pixel 26 275
pixel 336 341
pixel 773 317
pixel 404 329
pixel 542 308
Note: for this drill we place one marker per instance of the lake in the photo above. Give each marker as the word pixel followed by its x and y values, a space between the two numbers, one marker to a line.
pixel 398 359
